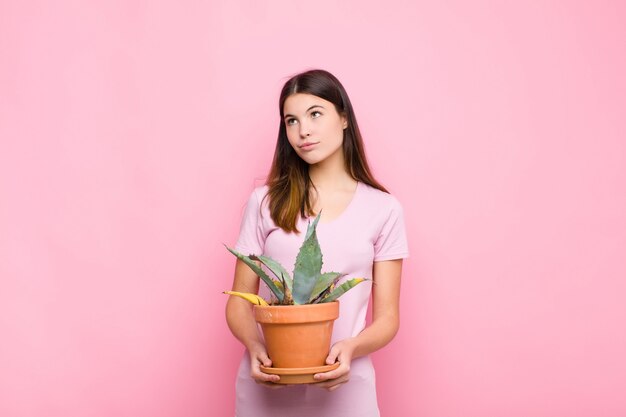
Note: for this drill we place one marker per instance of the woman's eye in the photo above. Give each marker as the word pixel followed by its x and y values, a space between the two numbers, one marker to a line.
pixel 290 122
pixel 315 114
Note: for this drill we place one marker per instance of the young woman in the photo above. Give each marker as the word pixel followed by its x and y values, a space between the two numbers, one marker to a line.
pixel 319 163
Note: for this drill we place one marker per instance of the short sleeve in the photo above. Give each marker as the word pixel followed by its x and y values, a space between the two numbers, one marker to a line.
pixel 251 237
pixel 391 242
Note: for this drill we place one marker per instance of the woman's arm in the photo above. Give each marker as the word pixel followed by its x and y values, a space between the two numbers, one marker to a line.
pixel 384 326
pixel 240 319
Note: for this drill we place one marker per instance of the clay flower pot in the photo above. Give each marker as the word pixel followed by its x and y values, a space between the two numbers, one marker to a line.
pixel 297 336
pixel 297 332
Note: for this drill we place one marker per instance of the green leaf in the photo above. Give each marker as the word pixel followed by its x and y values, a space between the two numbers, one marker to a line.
pixel 277 269
pixel 288 298
pixel 308 266
pixel 324 282
pixel 312 227
pixel 260 272
pixel 340 290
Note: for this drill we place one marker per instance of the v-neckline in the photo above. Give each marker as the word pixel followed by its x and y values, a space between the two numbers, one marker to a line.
pixel 345 210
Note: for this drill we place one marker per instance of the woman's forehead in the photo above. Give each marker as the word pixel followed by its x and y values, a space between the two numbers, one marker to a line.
pixel 301 102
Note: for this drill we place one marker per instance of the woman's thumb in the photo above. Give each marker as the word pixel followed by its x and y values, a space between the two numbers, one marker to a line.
pixel 265 360
pixel 332 356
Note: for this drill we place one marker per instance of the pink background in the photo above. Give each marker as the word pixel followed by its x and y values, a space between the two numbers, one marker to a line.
pixel 131 133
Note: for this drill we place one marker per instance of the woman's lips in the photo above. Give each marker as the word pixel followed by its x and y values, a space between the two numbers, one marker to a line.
pixel 308 145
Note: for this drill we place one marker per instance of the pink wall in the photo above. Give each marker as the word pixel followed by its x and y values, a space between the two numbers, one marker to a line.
pixel 131 133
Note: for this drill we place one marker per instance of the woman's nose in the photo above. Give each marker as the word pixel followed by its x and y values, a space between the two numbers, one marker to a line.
pixel 305 130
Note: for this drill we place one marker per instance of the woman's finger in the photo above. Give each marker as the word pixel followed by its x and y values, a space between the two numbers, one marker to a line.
pixel 342 370
pixel 332 355
pixel 255 368
pixel 262 358
pixel 333 384
pixel 257 375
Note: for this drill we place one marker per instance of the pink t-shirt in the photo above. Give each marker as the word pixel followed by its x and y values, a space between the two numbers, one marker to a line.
pixel 369 230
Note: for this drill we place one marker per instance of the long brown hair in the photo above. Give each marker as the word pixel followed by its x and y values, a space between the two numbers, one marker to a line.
pixel 289 182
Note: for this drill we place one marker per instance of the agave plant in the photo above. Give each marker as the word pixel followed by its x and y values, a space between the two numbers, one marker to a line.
pixel 308 285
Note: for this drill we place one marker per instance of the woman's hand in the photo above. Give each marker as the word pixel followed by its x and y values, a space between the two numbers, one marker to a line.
pixel 258 357
pixel 341 351
pixel 242 324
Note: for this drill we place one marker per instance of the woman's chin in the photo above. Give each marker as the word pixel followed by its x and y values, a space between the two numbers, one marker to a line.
pixel 310 159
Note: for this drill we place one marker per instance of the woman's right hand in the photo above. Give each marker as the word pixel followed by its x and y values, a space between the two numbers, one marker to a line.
pixel 258 357
pixel 241 322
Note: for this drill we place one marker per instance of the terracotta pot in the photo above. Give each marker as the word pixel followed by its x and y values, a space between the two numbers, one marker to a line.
pixel 297 336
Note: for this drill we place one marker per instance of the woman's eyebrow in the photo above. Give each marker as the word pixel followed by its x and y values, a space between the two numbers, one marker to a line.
pixel 307 110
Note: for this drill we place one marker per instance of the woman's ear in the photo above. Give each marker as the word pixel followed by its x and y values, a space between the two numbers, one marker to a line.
pixel 344 121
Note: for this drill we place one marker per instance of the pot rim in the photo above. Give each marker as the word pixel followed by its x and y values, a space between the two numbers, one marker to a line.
pixel 297 313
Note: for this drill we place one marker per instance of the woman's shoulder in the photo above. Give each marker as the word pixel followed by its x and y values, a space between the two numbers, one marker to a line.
pixel 379 198
pixel 261 191
pixel 258 194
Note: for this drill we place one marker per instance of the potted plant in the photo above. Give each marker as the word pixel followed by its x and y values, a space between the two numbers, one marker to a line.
pixel 297 321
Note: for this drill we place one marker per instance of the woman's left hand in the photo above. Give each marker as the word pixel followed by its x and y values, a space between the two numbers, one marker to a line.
pixel 341 351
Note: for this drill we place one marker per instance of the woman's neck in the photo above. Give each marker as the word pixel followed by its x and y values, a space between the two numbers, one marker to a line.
pixel 331 174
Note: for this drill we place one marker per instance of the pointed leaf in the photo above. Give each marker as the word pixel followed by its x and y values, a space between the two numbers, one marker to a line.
pixel 322 295
pixel 277 269
pixel 250 297
pixel 312 226
pixel 259 271
pixel 308 266
pixel 288 298
pixel 324 282
pixel 340 290
pixel 280 283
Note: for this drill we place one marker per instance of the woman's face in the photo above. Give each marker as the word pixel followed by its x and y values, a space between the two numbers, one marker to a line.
pixel 314 128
